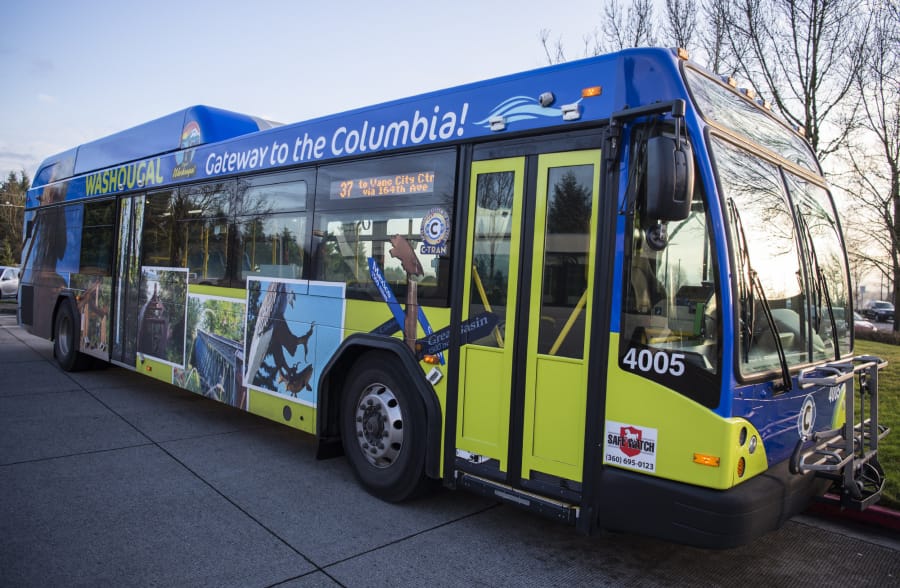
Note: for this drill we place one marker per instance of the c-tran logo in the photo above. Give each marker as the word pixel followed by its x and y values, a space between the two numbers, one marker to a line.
pixel 806 420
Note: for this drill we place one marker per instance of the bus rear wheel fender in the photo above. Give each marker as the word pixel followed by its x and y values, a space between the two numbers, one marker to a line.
pixel 383 428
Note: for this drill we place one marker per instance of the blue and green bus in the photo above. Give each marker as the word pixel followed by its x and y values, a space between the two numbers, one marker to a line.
pixel 612 291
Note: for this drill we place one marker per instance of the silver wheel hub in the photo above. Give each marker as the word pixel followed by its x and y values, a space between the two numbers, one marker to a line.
pixel 64 335
pixel 379 425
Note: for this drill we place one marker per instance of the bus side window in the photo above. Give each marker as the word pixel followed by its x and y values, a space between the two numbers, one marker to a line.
pixel 368 208
pixel 204 224
pixel 271 230
pixel 273 246
pixel 97 238
pixel 162 240
pixel 344 241
pixel 207 251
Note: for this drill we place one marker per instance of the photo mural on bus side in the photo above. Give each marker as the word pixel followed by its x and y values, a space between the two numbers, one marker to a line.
pixel 293 328
pixel 93 302
pixel 54 257
pixel 215 349
pixel 161 320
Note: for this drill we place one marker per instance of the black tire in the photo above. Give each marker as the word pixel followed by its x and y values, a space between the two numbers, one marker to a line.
pixel 66 331
pixel 383 429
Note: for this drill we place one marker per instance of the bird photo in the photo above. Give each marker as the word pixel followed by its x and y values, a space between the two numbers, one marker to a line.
pixel 292 330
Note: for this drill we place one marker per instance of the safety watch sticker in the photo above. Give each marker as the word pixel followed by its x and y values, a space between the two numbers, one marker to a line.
pixel 630 446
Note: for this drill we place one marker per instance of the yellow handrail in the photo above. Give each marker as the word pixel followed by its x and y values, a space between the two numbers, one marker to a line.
pixel 569 323
pixel 487 305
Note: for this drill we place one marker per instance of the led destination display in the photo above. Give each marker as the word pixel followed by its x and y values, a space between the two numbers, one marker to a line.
pixel 419 182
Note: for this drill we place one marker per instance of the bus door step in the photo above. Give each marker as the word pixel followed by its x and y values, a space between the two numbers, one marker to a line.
pixel 554 509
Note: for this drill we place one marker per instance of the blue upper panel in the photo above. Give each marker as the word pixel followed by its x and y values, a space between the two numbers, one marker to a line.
pixel 201 142
pixel 163 135
pixel 157 136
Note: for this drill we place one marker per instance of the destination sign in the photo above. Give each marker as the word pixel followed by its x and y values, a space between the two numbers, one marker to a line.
pixel 418 182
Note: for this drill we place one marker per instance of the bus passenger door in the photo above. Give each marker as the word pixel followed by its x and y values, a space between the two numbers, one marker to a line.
pixel 492 260
pixel 523 388
pixel 559 314
pixel 127 276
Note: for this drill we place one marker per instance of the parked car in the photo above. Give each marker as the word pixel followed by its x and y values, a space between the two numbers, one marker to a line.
pixel 879 311
pixel 9 282
pixel 861 325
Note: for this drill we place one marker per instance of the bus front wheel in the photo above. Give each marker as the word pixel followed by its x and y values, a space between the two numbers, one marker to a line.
pixel 383 429
pixel 65 341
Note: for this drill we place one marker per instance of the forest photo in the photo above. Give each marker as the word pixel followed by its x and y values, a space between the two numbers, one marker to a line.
pixel 215 350
pixel 93 310
pixel 161 320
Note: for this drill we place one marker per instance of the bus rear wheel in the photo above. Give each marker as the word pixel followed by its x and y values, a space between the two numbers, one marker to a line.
pixel 383 429
pixel 65 341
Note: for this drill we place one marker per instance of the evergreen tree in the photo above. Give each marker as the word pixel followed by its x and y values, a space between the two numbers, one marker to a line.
pixel 12 216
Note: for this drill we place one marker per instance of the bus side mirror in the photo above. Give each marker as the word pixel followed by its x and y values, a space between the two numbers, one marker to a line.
pixel 670 179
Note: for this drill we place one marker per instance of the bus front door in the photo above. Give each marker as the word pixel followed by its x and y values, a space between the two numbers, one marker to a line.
pixel 522 396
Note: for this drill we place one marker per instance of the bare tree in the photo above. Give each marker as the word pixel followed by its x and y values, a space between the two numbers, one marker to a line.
pixel 875 160
pixel 804 54
pixel 621 28
pixel 713 38
pixel 629 27
pixel 811 58
pixel 681 22
pixel 625 25
pixel 554 50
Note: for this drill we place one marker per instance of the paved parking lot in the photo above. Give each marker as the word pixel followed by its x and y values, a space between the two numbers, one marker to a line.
pixel 108 478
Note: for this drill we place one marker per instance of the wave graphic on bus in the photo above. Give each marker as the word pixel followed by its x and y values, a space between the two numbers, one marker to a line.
pixel 519 108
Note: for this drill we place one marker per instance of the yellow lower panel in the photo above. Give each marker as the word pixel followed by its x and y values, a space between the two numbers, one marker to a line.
pixel 293 414
pixel 155 369
pixel 238 293
pixel 484 404
pixel 364 315
pixel 654 430
pixel 554 422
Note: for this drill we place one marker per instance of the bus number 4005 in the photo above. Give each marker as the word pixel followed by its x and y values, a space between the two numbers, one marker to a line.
pixel 660 362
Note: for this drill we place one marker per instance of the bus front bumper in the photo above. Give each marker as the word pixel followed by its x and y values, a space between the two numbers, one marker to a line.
pixel 703 517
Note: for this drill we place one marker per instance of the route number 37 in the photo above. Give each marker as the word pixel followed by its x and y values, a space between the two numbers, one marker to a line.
pixel 660 362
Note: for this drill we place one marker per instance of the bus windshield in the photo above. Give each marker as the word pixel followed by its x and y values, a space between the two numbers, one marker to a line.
pixel 729 109
pixel 791 275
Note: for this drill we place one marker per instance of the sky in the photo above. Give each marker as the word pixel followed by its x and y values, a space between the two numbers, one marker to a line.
pixel 78 70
